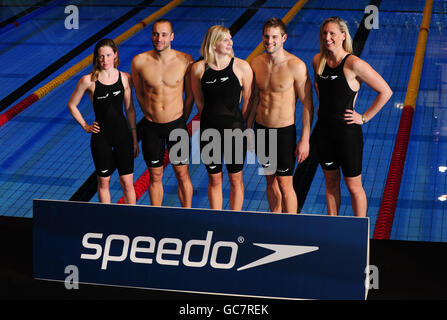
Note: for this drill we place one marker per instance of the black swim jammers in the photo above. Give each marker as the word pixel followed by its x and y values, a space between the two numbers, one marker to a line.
pixel 285 150
pixel 155 136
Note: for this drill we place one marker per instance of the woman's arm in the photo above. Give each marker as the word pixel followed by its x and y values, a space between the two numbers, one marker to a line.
pixel 83 84
pixel 197 71
pixel 246 78
pixel 365 73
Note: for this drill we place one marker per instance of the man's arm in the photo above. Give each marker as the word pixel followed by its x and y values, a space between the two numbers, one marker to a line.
pixel 136 80
pixel 189 97
pixel 254 98
pixel 303 89
pixel 253 105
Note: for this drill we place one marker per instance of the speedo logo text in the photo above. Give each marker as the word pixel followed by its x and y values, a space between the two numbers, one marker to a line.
pixel 172 251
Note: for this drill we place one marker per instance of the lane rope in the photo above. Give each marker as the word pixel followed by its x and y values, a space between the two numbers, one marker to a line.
pixel 50 86
pixel 385 218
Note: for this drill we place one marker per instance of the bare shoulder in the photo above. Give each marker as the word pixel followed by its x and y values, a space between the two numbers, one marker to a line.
pixel 262 58
pixel 316 59
pixel 258 61
pixel 85 83
pixel 198 67
pixel 184 57
pixel 296 64
pixel 126 77
pixel 355 63
pixel 86 80
pixel 363 71
pixel 242 65
pixel 125 74
pixel 139 59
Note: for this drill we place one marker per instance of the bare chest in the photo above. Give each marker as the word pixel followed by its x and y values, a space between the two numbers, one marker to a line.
pixel 159 75
pixel 274 78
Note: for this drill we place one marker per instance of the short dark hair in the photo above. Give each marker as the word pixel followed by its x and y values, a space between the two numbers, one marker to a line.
pixel 163 21
pixel 273 23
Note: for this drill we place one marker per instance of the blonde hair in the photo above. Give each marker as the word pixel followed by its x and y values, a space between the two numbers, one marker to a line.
pixel 213 35
pixel 347 43
pixel 96 66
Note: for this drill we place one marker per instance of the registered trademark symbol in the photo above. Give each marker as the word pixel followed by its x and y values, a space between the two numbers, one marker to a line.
pixel 240 239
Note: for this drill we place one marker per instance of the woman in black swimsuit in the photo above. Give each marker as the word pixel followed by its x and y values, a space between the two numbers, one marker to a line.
pixel 114 140
pixel 219 83
pixel 339 139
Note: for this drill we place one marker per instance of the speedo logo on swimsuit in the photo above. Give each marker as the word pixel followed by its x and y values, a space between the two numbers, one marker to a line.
pixel 103 97
pixel 266 165
pixel 115 93
pixel 214 81
pixel 332 77
pixel 145 250
pixel 177 162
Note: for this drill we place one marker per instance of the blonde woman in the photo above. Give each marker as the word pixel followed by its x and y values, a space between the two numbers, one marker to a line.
pixel 339 138
pixel 114 140
pixel 220 82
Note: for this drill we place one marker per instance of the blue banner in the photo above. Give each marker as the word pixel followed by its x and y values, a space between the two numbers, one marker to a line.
pixel 199 250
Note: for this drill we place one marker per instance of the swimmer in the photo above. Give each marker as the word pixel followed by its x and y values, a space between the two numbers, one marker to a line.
pixel 114 141
pixel 160 77
pixel 339 138
pixel 219 82
pixel 281 79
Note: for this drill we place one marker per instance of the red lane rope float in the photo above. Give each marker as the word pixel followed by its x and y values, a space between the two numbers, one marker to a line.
pixel 388 205
pixel 142 183
pixel 19 107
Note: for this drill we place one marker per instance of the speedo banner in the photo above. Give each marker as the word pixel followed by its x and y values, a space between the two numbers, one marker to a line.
pixel 198 250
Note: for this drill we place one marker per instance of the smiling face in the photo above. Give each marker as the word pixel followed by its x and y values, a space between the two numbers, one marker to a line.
pixel 225 45
pixel 162 35
pixel 331 37
pixel 273 40
pixel 106 57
